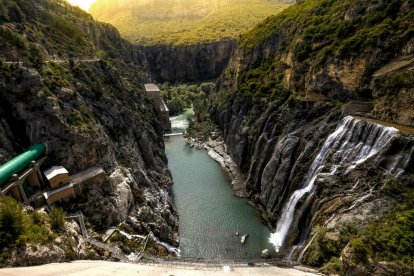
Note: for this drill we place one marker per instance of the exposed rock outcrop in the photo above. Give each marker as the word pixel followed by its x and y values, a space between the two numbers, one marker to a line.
pixel 217 149
pixel 84 98
pixel 68 246
pixel 275 139
pixel 188 63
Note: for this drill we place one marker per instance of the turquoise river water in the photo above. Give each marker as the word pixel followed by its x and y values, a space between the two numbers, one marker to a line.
pixel 210 214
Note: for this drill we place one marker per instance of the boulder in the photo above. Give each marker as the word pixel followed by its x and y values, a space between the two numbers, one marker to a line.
pixel 243 238
pixel 265 253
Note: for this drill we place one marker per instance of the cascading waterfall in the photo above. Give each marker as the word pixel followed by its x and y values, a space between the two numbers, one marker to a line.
pixel 170 249
pixel 352 143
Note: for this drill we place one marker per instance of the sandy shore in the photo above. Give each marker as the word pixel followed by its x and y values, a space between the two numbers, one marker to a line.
pixel 103 268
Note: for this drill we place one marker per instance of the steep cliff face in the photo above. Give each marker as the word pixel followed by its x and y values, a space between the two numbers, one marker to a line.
pixel 282 105
pixel 190 62
pixel 90 109
pixel 366 56
pixel 307 164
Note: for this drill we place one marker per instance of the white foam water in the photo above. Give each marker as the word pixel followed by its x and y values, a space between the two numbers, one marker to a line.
pixel 352 143
pixel 170 249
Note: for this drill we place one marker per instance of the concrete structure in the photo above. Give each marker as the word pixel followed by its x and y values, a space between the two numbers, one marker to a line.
pixel 57 176
pixel 21 176
pixel 22 179
pixel 94 175
pixel 161 109
pixel 73 185
pixel 22 186
pixel 63 193
pixel 353 108
pixel 104 268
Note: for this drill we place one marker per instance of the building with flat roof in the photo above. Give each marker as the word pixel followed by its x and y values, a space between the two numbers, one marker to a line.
pixel 62 193
pixel 161 108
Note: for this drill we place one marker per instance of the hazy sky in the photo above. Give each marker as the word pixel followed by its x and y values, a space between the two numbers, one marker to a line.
pixel 84 4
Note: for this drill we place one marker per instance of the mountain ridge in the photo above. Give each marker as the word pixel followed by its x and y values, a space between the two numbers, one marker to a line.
pixel 183 22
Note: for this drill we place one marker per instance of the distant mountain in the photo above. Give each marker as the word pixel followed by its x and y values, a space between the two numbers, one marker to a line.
pixel 153 22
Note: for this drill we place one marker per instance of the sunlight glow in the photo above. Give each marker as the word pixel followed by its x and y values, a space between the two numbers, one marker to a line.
pixel 83 4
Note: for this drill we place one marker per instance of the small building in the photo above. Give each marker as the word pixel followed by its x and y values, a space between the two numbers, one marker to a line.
pixel 57 176
pixel 22 179
pixel 161 108
pixel 63 193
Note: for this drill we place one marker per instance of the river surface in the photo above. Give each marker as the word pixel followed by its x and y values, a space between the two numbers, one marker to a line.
pixel 209 213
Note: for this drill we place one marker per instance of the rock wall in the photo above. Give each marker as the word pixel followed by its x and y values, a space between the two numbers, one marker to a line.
pixel 189 63
pixel 380 72
pixel 113 127
pixel 275 147
pixel 276 105
pixel 83 96
pixel 286 91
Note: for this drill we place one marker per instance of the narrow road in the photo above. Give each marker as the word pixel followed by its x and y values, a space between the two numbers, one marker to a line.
pixel 102 268
pixel 55 61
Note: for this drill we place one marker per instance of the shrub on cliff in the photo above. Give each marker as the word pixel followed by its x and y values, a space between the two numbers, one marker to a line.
pixel 57 218
pixel 19 227
pixel 11 221
pixel 389 238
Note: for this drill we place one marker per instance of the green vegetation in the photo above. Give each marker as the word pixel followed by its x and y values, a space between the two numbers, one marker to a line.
pixel 264 81
pixel 321 33
pixel 315 31
pixel 201 129
pixel 18 227
pixel 57 218
pixel 184 21
pixel 388 238
pixel 127 246
pixel 16 48
pixel 391 85
pixel 32 31
pixel 182 96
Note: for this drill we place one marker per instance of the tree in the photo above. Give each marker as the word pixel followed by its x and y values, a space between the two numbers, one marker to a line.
pixel 57 218
pixel 11 221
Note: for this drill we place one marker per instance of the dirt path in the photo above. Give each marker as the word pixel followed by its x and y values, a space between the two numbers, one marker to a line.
pixel 102 268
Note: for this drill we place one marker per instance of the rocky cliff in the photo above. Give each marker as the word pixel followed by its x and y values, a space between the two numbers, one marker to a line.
pixel 188 63
pixel 76 86
pixel 282 103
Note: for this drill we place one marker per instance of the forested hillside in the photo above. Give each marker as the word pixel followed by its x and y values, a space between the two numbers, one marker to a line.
pixel 184 21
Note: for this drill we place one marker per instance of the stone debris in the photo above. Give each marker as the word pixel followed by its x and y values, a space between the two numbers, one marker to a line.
pixel 265 253
pixel 244 238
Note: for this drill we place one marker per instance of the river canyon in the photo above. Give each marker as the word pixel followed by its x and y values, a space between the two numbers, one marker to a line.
pixel 210 214
pixel 304 138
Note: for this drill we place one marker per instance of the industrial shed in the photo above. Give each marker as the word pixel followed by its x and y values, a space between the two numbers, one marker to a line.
pixel 57 176
pixel 63 193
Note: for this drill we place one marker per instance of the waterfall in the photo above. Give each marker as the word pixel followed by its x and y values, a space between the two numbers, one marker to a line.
pixel 352 143
pixel 170 249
